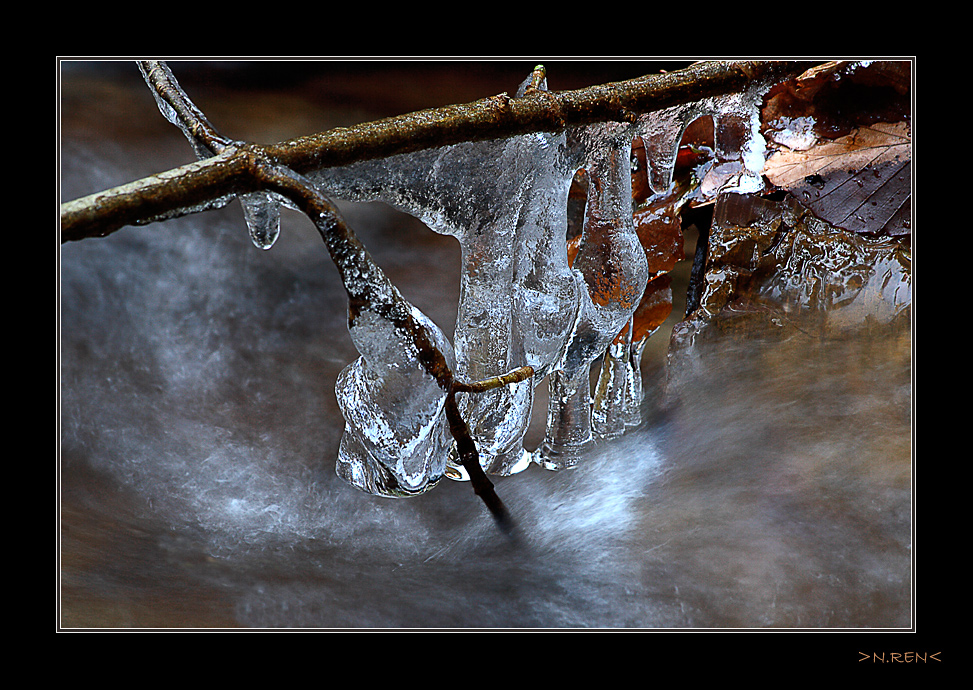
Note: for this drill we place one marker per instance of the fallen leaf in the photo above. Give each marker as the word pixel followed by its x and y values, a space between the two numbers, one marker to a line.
pixel 870 146
pixel 861 182
pixel 653 309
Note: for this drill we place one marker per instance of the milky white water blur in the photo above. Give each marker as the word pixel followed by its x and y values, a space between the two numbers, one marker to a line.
pixel 769 484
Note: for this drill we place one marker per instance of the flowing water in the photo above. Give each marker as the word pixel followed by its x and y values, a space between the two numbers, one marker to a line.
pixel 769 484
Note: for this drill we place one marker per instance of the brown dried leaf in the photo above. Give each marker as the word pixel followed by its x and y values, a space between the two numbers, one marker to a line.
pixel 654 309
pixel 861 182
pixel 868 146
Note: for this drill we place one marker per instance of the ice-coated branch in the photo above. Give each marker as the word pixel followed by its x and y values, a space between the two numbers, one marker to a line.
pixel 212 182
pixel 181 111
pixel 367 286
pixel 376 294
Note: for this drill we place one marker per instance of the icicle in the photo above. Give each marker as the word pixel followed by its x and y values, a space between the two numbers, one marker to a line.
pixel 740 147
pixel 610 412
pixel 653 310
pixel 634 392
pixel 484 322
pixel 612 264
pixel 474 192
pixel 262 213
pixel 618 396
pixel 524 313
pixel 546 291
pixel 661 132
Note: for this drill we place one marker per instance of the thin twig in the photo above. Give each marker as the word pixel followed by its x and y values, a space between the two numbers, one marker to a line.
pixel 515 376
pixel 470 459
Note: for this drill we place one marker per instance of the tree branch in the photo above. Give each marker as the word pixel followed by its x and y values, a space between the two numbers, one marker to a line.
pixel 213 182
pixel 229 169
pixel 353 261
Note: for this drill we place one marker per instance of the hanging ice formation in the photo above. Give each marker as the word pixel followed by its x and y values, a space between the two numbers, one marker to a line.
pixel 261 210
pixel 498 327
pixel 396 440
pixel 521 301
pixel 612 267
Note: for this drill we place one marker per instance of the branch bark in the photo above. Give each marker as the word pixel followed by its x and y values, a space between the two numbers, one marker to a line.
pixel 212 182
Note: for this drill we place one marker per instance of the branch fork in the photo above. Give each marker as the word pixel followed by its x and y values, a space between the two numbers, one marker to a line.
pixel 350 257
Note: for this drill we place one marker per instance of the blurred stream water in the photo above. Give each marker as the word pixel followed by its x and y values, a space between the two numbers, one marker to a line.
pixel 769 485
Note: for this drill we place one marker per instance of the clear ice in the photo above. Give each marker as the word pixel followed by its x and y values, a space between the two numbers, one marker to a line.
pixel 522 302
pixel 492 197
pixel 611 263
pixel 396 440
pixel 262 213
pixel 261 210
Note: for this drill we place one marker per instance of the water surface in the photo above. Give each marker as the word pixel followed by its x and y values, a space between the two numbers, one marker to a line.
pixel 768 486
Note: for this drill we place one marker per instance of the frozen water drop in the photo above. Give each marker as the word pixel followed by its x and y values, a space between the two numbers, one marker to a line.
pixel 262 213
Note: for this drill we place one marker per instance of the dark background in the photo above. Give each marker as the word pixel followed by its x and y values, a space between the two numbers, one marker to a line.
pixel 198 424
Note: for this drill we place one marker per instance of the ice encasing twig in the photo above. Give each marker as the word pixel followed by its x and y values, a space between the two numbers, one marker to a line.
pixel 504 201
pixel 375 295
pixel 178 109
pixel 370 293
pixel 261 210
